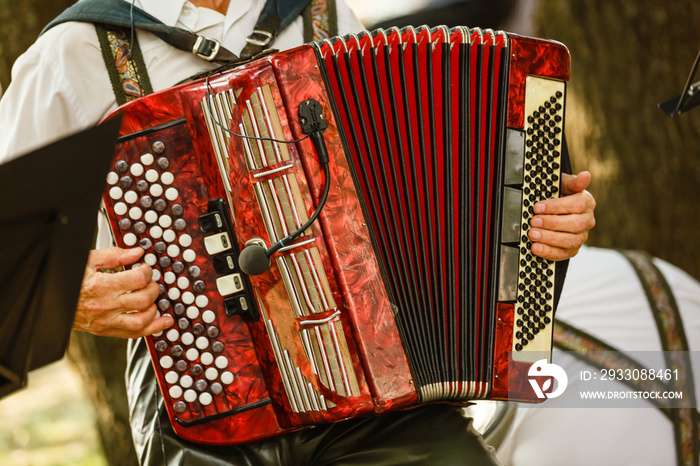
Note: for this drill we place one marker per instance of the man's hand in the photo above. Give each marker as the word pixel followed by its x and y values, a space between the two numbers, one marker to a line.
pixel 560 226
pixel 118 304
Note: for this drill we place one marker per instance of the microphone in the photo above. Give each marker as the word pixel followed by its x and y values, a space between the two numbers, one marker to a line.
pixel 254 259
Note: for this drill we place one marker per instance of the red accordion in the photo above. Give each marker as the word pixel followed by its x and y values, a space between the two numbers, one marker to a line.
pixel 415 285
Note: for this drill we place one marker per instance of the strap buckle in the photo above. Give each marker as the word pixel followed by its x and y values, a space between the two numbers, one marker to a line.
pixel 206 48
pixel 260 42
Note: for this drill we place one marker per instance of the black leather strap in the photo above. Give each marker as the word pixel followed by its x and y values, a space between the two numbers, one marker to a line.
pixel 122 14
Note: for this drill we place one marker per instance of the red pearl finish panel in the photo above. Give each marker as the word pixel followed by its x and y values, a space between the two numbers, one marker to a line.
pixel 536 57
pixel 349 244
pixel 510 378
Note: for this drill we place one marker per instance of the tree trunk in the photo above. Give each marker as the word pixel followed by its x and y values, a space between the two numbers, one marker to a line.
pixel 22 21
pixel 102 362
pixel 627 57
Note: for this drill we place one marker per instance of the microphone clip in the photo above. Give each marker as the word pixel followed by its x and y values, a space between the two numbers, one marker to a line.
pixel 311 116
pixel 313 123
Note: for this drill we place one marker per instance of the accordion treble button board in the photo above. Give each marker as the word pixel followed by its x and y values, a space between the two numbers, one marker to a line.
pixel 154 201
pixel 534 307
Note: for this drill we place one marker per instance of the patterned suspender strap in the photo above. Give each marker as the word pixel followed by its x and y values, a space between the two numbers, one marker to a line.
pixel 673 340
pixel 320 20
pixel 593 351
pixel 127 70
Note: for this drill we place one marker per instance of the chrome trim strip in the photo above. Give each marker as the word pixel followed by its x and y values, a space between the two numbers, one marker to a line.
pixel 274 170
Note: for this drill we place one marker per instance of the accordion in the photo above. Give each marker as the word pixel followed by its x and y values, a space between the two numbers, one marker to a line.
pixel 416 284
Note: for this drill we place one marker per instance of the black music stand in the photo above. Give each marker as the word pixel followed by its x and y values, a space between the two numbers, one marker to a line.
pixel 49 203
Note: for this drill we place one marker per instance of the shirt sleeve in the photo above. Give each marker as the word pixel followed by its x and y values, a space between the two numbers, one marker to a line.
pixel 59 86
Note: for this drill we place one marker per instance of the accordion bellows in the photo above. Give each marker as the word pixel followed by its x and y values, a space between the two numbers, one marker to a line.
pixel 415 285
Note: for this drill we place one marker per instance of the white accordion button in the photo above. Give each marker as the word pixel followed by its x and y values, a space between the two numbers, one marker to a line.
pixel 221 362
pixel 137 169
pixel 205 398
pixel 112 178
pixel 174 294
pixel 156 190
pixel 116 192
pixel 173 250
pixel 187 338
pixel 147 159
pixel 171 377
pixel 167 178
pixel 189 255
pixel 120 208
pixel 208 317
pixel 135 213
pixel 165 221
pixel 130 239
pixel 190 395
pixel 172 335
pixel 187 297
pixel 192 354
pixel 175 392
pixel 183 283
pixel 192 312
pixel 150 259
pixel 151 216
pixel 169 235
pixel 207 359
pixel 166 362
pixel 169 277
pixel 156 275
pixel 171 194
pixel 201 301
pixel 202 343
pixel 211 373
pixel 152 175
pixel 156 232
pixel 131 197
pixel 185 240
pixel 226 378
pixel 186 381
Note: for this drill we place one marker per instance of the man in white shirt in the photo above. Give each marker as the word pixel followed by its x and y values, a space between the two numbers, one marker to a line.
pixel 60 85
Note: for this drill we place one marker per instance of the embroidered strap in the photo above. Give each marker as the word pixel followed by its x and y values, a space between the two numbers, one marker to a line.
pixel 126 72
pixel 665 310
pixel 674 343
pixel 320 20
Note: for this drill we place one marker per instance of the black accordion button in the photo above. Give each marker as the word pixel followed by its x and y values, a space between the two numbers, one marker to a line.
pixel 176 351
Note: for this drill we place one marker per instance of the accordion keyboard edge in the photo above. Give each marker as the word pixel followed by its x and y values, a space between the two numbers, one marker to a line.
pixel 416 284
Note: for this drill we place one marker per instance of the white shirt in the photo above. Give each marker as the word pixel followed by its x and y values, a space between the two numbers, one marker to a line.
pixel 603 297
pixel 60 84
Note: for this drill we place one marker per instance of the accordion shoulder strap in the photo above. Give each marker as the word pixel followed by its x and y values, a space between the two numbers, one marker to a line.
pixel 123 14
pixel 320 20
pixel 125 65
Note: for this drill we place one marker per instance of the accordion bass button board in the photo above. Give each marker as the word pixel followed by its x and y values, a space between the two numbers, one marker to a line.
pixel 416 283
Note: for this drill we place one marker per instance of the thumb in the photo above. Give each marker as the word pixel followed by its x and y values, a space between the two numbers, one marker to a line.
pixel 572 184
pixel 112 258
